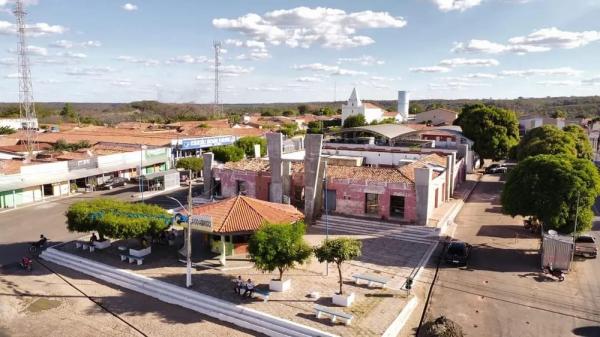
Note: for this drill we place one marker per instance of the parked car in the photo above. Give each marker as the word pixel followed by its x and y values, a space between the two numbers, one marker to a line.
pixel 585 245
pixel 496 168
pixel 458 253
pixel 113 182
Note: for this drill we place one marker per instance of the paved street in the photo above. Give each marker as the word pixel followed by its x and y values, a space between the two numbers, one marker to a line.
pixel 501 292
pixel 42 303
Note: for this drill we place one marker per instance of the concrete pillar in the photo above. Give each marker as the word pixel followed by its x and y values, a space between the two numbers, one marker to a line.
pixel 453 174
pixel 257 151
pixel 275 146
pixel 464 151
pixel 425 202
pixel 207 173
pixel 312 168
pixel 286 176
pixel 448 177
pixel 15 198
pixel 223 258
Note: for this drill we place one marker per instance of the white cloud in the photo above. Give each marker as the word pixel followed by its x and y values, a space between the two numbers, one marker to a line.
pixel 204 78
pixel 65 44
pixel 541 40
pixel 457 62
pixel 258 50
pixel 121 83
pixel 303 26
pixel 563 71
pixel 457 85
pixel 432 69
pixel 309 79
pixel 591 81
pixel 14 75
pixel 254 56
pixel 456 5
pixel 144 61
pixel 365 60
pixel 32 50
pixel 35 30
pixel 6 61
pixel 264 89
pixel 130 7
pixel 188 59
pixel 73 55
pixel 233 70
pixel 327 69
pixel 89 71
pixel 91 43
pixel 565 83
pixel 481 75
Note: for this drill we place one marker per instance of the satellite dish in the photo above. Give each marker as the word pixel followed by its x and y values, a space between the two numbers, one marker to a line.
pixel 552 232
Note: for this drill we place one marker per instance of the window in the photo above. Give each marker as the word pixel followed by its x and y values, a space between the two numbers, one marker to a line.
pixel 298 197
pixel 242 188
pixel 371 203
pixel 397 206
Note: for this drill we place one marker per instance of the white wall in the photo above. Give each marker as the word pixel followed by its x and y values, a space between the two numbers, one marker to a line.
pixel 373 114
pixel 376 158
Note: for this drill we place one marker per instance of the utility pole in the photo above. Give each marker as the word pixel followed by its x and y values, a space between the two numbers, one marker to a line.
pixel 575 229
pixel 26 102
pixel 326 212
pixel 188 276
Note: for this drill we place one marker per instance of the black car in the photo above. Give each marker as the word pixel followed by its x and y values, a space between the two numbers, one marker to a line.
pixel 113 182
pixel 458 253
pixel 496 168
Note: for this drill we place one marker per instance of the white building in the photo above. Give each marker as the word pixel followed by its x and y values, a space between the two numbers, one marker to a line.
pixel 529 122
pixel 18 123
pixel 356 107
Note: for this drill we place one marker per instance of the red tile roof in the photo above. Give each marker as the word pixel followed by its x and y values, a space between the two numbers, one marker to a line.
pixel 243 214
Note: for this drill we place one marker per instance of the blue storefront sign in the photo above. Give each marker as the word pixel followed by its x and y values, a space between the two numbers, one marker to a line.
pixel 201 143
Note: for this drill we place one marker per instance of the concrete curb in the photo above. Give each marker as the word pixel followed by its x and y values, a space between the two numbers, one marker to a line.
pixel 236 314
pixel 394 329
pixel 448 218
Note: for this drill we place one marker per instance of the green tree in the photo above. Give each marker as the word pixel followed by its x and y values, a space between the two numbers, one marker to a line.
pixel 7 130
pixel 315 127
pixel 234 119
pixel 547 187
pixel 227 153
pixel 68 112
pixel 302 109
pixel 355 121
pixel 559 114
pixel 338 251
pixel 547 139
pixel 247 144
pixel 278 246
pixel 116 219
pixel 415 108
pixel 582 142
pixel 289 113
pixel 494 130
pixel 62 145
pixel 441 327
pixel 191 163
pixel 289 129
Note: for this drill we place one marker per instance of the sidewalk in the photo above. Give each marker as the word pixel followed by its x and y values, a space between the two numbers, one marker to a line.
pixel 443 216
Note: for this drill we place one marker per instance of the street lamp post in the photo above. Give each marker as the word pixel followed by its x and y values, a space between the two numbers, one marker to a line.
pixel 142 148
pixel 188 236
pixel 326 212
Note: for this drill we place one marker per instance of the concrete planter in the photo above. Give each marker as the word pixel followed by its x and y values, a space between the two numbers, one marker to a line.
pixel 280 285
pixel 140 252
pixel 102 244
pixel 345 300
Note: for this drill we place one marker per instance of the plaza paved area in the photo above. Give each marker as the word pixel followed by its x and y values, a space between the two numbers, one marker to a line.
pixel 374 309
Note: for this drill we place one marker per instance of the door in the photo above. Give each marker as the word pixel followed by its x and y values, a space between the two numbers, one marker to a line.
pixel 330 201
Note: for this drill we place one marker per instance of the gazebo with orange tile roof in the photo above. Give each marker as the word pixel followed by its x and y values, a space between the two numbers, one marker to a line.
pixel 236 218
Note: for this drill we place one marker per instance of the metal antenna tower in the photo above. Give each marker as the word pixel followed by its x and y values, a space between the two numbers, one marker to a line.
pixel 26 105
pixel 217 47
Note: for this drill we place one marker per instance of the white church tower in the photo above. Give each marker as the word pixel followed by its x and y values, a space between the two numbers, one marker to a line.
pixel 354 106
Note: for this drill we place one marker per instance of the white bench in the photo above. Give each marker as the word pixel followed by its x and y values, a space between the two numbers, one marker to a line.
pixel 84 245
pixel 321 310
pixel 264 294
pixel 371 279
pixel 131 258
pixel 102 244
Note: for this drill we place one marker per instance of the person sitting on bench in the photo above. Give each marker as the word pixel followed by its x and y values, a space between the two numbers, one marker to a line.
pixel 93 238
pixel 239 285
pixel 249 288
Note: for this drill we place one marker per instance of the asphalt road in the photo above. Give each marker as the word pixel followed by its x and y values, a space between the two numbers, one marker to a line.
pixel 502 292
pixel 21 226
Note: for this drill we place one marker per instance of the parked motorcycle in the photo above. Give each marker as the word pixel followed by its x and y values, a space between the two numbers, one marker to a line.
pixel 26 263
pixel 556 273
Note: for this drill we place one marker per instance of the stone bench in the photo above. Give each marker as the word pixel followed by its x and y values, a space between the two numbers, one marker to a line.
pixel 370 279
pixel 333 314
pixel 85 245
pixel 264 294
pixel 102 244
pixel 131 258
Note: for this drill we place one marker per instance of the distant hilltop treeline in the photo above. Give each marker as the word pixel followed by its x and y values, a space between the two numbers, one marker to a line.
pixel 153 111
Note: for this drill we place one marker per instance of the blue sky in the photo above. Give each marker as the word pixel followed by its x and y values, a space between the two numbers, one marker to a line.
pixel 292 51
